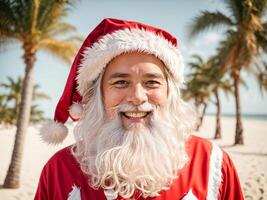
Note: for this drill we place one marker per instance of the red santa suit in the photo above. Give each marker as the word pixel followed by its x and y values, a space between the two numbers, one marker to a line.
pixel 209 174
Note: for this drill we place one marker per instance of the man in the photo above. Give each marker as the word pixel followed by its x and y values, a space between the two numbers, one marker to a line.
pixel 133 136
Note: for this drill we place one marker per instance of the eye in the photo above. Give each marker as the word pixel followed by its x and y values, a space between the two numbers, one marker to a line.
pixel 152 84
pixel 120 84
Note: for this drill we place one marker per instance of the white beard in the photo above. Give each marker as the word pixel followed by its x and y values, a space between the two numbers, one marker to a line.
pixel 143 158
pixel 137 158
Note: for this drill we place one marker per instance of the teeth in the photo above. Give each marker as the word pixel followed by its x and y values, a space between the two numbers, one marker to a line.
pixel 135 114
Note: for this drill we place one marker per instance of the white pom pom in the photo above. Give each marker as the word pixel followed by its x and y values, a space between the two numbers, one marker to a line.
pixel 76 110
pixel 54 132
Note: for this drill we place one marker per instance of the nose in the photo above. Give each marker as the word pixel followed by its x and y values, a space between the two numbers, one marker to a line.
pixel 138 95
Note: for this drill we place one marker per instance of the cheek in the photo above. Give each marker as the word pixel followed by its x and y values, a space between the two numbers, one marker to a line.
pixel 158 97
pixel 111 100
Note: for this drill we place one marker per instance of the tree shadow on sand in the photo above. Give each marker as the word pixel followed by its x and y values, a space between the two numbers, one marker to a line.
pixel 226 146
pixel 249 153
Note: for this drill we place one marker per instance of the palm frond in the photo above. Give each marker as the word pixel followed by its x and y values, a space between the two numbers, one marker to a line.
pixel 207 20
pixel 8 19
pixel 51 13
pixel 59 29
pixel 10 98
pixel 235 8
pixel 75 38
pixel 60 48
pixel 260 7
pixel 261 37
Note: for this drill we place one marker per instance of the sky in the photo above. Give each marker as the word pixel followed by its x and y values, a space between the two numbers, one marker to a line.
pixel 173 16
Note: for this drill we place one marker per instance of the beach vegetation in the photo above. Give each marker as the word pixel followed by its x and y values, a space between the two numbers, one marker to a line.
pixel 36 25
pixel 244 29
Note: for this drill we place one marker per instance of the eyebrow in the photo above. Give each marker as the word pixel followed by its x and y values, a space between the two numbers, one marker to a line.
pixel 125 75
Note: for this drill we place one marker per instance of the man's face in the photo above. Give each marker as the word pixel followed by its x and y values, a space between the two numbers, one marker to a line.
pixel 134 79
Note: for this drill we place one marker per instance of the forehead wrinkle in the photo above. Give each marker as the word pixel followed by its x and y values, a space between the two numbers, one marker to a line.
pixel 146 75
pixel 119 75
pixel 127 66
pixel 154 75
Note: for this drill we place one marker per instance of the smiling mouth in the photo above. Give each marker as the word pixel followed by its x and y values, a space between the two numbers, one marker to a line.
pixel 135 115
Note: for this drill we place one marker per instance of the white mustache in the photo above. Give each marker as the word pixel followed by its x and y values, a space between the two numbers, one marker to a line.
pixel 145 107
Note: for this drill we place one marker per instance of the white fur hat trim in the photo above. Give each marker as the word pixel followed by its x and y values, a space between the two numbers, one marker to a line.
pixel 97 56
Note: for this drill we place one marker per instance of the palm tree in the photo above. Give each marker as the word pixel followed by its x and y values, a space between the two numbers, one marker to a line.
pixel 263 80
pixel 197 87
pixel 14 91
pixel 216 81
pixel 37 115
pixel 206 79
pixel 11 102
pixel 261 75
pixel 225 86
pixel 3 110
pixel 36 25
pixel 245 36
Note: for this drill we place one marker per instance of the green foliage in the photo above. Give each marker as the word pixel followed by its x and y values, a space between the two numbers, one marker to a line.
pixel 10 99
pixel 208 20
pixel 38 24
pixel 204 79
pixel 196 83
pixel 244 41
pixel 245 32
pixel 261 75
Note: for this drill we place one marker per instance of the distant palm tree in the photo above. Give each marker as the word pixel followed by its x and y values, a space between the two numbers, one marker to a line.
pixel 261 75
pixel 263 80
pixel 197 87
pixel 215 79
pixel 12 100
pixel 205 80
pixel 3 110
pixel 245 36
pixel 14 91
pixel 37 115
pixel 37 24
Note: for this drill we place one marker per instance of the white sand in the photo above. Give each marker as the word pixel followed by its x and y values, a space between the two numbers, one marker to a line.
pixel 250 159
pixel 36 153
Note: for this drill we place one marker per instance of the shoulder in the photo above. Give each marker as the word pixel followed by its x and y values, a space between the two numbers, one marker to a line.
pixel 198 140
pixel 60 174
pixel 61 166
pixel 61 158
pixel 216 168
pixel 196 144
pixel 62 154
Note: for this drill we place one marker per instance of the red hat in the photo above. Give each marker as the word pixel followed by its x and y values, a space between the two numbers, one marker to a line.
pixel 109 39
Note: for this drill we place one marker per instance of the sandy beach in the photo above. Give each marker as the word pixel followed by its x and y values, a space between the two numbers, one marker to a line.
pixel 250 159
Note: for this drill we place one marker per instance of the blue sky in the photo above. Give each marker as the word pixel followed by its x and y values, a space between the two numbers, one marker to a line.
pixel 174 16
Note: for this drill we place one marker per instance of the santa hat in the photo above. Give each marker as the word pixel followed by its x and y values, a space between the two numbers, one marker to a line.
pixel 109 39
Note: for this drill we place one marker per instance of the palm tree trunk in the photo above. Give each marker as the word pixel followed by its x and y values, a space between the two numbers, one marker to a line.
pixel 201 117
pixel 218 134
pixel 239 126
pixel 12 179
pixel 17 104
